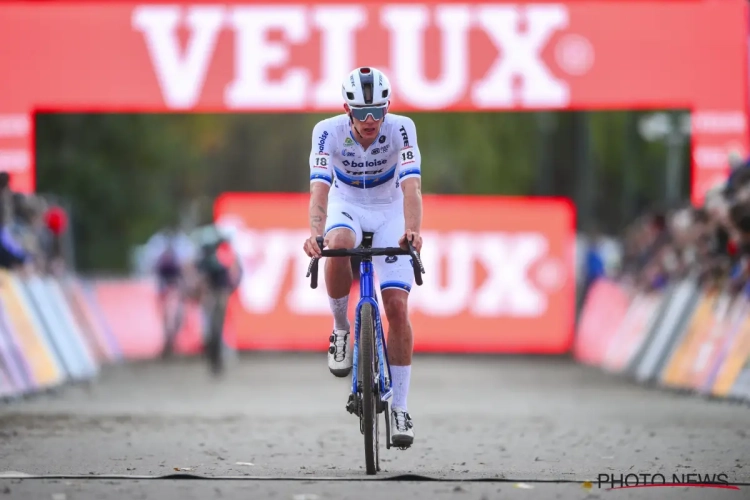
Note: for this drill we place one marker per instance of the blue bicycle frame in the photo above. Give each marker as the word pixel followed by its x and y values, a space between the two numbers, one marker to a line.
pixel 367 296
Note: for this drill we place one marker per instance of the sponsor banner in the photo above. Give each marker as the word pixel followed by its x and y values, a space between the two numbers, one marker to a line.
pixel 83 292
pixel 45 365
pixel 632 331
pixel 42 343
pixel 130 308
pixel 725 365
pixel 737 356
pixel 66 321
pixel 292 55
pixel 499 268
pixel 727 313
pixel 83 321
pixel 14 363
pixel 45 311
pixel 675 372
pixel 741 386
pixel 606 305
pixel 676 314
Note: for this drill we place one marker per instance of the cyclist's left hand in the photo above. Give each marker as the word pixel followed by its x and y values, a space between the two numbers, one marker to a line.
pixel 415 239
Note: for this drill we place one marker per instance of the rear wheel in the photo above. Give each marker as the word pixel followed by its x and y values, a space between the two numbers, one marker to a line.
pixel 366 366
pixel 216 332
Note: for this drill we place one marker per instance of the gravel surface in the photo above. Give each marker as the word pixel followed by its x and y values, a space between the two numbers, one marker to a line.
pixel 275 427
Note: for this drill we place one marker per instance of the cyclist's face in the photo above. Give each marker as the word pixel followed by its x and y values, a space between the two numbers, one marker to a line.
pixel 369 128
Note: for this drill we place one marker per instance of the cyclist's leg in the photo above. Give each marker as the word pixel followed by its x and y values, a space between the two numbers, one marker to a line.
pixel 342 231
pixel 396 276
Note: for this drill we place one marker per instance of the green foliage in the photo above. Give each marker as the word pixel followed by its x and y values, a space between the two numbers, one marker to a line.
pixel 126 176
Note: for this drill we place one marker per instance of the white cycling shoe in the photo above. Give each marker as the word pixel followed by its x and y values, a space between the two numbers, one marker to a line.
pixel 402 428
pixel 339 353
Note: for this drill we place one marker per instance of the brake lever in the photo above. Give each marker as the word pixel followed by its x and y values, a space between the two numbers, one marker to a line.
pixel 312 269
pixel 415 255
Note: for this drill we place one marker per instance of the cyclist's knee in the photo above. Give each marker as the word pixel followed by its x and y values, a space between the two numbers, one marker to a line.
pixel 395 305
pixel 340 238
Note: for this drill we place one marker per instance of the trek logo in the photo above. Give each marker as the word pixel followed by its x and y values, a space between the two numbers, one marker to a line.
pixel 362 164
pixel 322 141
pixel 366 172
pixel 404 136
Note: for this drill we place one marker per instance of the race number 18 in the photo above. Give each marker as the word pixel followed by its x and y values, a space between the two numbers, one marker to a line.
pixel 407 156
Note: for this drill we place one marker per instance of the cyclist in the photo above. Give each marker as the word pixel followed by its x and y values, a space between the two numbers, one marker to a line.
pixel 220 273
pixel 365 176
pixel 169 251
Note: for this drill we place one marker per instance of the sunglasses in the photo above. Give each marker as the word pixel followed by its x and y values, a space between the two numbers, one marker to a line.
pixel 361 114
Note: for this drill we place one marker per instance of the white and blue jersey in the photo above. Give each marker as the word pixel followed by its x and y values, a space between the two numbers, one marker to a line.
pixel 365 185
pixel 365 176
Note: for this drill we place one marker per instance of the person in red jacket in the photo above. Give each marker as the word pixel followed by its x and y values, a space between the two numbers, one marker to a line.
pixel 56 220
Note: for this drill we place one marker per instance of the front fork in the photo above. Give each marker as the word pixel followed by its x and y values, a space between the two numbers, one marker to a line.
pixel 383 383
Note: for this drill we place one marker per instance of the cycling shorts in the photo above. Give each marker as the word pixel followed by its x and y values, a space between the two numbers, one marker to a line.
pixel 387 226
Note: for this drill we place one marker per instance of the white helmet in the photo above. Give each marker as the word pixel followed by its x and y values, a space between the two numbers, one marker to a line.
pixel 366 86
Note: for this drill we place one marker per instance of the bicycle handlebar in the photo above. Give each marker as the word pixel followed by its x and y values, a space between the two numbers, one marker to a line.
pixel 416 262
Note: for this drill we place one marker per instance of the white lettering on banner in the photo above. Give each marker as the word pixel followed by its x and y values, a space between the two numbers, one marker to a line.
pixel 338 26
pixel 710 157
pixel 445 295
pixel 255 55
pixel 15 160
pixel 507 290
pixel 269 256
pixel 181 78
pixel 519 75
pixel 15 125
pixel 718 122
pixel 265 258
pixel 521 56
pixel 302 299
pixel 407 25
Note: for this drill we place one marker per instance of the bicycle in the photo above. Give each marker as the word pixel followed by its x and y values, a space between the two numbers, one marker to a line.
pixel 172 316
pixel 371 389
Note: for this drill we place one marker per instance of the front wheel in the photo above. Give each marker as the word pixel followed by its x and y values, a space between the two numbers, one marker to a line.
pixel 367 369
pixel 215 344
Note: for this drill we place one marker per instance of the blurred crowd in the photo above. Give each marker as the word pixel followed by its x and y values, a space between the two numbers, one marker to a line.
pixel 710 243
pixel 31 232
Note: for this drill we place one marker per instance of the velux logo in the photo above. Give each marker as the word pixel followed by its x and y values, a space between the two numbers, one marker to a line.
pixel 519 74
pixel 675 480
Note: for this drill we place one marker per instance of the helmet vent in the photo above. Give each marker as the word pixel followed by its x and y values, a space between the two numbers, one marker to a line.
pixel 385 93
pixel 350 96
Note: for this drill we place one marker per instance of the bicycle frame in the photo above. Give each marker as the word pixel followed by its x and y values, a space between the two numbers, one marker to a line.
pixel 367 296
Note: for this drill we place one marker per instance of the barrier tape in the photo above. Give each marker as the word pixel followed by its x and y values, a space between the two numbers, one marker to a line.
pixel 684 337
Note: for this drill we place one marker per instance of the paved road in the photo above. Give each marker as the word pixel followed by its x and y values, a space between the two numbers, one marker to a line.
pixel 547 424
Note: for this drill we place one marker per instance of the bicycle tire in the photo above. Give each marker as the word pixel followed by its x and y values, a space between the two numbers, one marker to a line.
pixel 366 365
pixel 216 334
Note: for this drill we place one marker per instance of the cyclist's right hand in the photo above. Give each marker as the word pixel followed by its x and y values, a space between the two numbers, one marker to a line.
pixel 311 247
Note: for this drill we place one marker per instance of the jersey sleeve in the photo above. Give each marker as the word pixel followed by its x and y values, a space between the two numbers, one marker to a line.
pixel 409 157
pixel 320 155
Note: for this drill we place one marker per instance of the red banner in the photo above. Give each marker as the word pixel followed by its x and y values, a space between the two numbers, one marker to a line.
pixel 287 56
pixel 499 275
